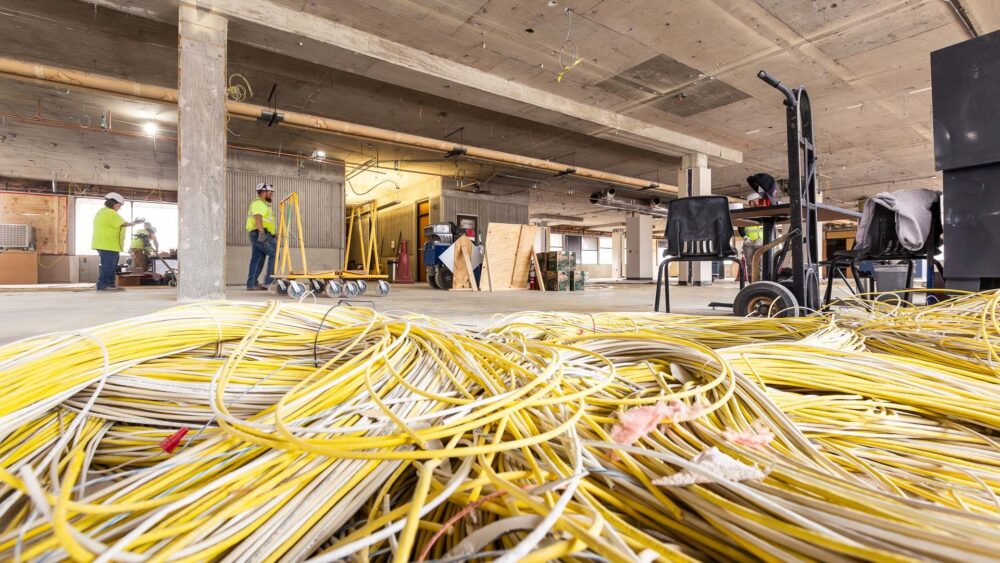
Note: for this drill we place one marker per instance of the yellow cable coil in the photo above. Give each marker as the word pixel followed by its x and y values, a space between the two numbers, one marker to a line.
pixel 324 433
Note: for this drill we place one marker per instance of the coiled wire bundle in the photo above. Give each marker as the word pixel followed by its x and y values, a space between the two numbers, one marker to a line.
pixel 286 432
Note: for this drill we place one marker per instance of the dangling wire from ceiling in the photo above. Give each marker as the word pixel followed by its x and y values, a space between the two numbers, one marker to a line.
pixel 238 93
pixel 371 189
pixel 562 49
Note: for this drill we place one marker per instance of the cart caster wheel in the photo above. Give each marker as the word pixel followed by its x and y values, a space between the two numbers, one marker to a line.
pixel 317 285
pixel 296 289
pixel 333 288
pixel 765 299
pixel 443 278
pixel 280 287
pixel 350 289
pixel 362 287
pixel 382 289
pixel 172 283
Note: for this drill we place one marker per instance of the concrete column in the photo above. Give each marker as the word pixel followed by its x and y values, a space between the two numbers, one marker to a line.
pixel 618 254
pixel 201 154
pixel 639 246
pixel 694 179
pixel 542 238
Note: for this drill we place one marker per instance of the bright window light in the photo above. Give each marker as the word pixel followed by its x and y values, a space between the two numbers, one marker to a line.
pixel 150 128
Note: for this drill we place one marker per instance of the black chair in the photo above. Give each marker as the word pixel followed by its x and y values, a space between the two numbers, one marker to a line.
pixel 699 229
pixel 882 244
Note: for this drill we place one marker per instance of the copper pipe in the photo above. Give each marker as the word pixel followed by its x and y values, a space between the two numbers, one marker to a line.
pixel 32 71
pixel 93 128
pixel 121 132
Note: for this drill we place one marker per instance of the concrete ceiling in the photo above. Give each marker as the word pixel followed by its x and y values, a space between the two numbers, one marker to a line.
pixel 687 67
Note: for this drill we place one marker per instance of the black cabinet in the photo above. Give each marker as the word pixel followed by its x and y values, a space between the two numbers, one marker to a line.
pixel 966 99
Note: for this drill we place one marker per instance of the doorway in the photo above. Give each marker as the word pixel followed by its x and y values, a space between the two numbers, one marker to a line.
pixel 423 220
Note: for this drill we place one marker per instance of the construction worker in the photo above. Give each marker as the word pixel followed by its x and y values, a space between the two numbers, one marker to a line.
pixel 143 241
pixel 753 237
pixel 109 239
pixel 260 230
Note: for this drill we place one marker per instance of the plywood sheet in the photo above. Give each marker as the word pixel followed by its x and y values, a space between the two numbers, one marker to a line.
pixel 509 251
pixel 463 278
pixel 18 268
pixel 46 213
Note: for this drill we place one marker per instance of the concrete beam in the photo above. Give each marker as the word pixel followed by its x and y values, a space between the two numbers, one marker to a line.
pixel 201 154
pixel 406 66
pixel 984 15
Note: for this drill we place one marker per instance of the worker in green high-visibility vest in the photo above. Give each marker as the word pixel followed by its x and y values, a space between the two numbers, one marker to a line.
pixel 753 238
pixel 109 239
pixel 143 241
pixel 260 230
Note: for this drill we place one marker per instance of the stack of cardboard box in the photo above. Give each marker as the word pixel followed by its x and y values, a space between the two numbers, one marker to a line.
pixel 559 271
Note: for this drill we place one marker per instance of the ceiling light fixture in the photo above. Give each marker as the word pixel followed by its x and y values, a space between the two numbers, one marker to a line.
pixel 150 128
pixel 318 154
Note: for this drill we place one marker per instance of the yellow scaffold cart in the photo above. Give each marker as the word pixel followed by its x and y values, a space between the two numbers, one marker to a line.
pixel 337 283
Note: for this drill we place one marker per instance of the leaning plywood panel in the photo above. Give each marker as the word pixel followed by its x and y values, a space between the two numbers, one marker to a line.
pixel 509 249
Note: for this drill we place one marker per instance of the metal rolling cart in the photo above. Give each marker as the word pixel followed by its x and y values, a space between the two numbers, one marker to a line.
pixel 333 283
pixel 773 294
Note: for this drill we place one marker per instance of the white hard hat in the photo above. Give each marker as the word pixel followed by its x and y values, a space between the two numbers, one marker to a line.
pixel 265 187
pixel 115 196
pixel 753 197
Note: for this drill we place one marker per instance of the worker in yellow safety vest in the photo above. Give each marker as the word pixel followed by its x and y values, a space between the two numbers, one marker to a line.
pixel 109 240
pixel 753 238
pixel 260 230
pixel 143 241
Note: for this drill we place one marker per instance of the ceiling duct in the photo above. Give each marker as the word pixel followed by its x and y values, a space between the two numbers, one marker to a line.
pixel 538 217
pixel 611 200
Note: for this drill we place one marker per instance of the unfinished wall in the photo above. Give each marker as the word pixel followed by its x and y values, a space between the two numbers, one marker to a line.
pixel 595 270
pixel 502 204
pixel 321 197
pixel 400 220
pixel 47 214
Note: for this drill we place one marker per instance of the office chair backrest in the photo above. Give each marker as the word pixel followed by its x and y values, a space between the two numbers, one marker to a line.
pixel 882 242
pixel 699 226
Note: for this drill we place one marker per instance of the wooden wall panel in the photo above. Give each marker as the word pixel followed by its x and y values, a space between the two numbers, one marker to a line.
pixel 47 214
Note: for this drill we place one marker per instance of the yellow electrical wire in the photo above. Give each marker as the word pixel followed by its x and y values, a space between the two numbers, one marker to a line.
pixel 320 433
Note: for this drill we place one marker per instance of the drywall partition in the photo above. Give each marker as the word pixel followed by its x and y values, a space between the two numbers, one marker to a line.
pixel 321 195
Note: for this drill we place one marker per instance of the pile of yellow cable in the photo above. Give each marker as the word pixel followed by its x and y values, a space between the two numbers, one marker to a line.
pixel 246 431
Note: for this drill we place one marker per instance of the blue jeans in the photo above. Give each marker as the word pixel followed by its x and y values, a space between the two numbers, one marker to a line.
pixel 259 251
pixel 106 269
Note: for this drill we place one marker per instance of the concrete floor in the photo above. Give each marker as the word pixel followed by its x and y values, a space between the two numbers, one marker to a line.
pixel 28 313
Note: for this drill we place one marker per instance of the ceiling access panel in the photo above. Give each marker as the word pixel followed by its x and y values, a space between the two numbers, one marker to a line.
pixel 657 74
pixel 704 95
